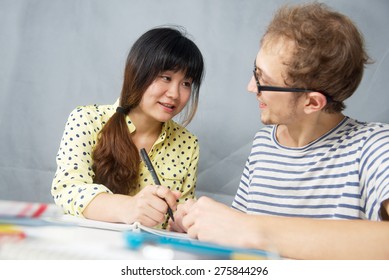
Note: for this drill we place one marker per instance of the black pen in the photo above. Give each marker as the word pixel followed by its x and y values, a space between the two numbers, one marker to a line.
pixel 150 167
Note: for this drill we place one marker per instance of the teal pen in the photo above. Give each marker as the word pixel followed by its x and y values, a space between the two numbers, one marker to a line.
pixel 150 167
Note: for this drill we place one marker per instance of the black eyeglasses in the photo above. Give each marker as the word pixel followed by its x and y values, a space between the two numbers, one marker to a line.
pixel 284 89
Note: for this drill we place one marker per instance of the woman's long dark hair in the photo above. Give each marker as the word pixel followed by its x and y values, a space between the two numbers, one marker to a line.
pixel 116 158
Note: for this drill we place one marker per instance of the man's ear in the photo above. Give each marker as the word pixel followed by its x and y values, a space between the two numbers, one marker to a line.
pixel 314 101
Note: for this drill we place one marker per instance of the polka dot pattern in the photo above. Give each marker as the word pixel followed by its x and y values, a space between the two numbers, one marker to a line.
pixel 174 155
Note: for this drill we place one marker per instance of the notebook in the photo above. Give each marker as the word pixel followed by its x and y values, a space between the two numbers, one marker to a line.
pixel 136 227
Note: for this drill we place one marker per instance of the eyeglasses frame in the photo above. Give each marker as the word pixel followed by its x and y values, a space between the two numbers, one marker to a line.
pixel 261 88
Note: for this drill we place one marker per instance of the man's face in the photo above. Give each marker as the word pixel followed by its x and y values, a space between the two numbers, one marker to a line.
pixel 275 107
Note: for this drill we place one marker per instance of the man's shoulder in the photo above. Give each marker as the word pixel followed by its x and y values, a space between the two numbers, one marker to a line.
pixel 366 134
pixel 366 127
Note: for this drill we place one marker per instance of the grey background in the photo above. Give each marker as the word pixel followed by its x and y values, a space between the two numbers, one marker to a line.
pixel 57 54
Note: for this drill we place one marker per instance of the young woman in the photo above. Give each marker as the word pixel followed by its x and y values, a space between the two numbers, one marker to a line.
pixel 100 174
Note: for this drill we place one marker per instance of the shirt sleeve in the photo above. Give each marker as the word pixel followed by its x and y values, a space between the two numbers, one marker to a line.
pixel 240 200
pixel 72 187
pixel 374 172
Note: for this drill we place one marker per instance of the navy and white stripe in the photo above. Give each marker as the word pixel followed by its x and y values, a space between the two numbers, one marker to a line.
pixel 342 175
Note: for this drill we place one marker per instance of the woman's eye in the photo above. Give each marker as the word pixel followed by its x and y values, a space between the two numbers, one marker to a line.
pixel 187 84
pixel 166 78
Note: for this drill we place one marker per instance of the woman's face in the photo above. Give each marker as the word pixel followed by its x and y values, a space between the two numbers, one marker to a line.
pixel 166 96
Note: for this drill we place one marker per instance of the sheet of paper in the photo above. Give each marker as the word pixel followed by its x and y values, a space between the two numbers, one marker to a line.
pixel 69 219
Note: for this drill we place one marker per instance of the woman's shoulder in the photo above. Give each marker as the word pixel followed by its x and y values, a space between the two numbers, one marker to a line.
pixel 174 129
pixel 95 109
pixel 93 112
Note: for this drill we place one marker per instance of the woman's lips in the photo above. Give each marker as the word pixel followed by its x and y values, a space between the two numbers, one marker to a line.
pixel 167 106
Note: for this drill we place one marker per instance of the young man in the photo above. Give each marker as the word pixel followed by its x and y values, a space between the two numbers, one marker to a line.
pixel 316 183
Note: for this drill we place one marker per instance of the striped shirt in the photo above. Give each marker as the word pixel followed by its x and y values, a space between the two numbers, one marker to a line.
pixel 342 175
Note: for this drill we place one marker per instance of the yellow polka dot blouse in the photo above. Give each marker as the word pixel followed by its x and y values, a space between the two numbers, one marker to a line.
pixel 174 155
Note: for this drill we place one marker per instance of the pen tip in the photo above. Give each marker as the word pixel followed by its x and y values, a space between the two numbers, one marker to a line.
pixel 170 212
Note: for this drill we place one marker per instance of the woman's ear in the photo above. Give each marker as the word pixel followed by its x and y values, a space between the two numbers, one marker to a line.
pixel 315 101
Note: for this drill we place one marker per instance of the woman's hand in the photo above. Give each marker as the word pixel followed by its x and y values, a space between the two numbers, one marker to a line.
pixel 150 205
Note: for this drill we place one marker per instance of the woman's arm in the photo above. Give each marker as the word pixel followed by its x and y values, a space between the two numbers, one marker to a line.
pixel 148 207
pixel 73 187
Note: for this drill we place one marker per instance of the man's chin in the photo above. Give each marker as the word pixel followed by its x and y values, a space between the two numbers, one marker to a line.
pixel 266 121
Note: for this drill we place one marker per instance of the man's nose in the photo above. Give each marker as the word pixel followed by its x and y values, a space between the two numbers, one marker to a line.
pixel 252 86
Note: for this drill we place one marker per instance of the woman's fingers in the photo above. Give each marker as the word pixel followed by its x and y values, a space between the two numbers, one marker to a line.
pixel 167 195
pixel 152 204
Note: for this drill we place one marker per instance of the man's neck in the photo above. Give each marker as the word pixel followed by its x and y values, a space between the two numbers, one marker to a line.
pixel 303 132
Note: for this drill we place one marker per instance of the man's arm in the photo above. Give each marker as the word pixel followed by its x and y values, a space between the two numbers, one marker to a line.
pixel 303 238
pixel 296 238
